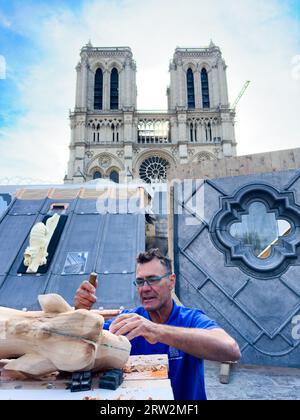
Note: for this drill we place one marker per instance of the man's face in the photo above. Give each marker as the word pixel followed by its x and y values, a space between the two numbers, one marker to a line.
pixel 153 298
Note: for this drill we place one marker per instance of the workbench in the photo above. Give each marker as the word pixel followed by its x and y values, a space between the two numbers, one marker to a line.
pixel 145 378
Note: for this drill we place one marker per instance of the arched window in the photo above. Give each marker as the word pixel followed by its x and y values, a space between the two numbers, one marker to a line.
pixel 98 98
pixel 208 132
pixel 97 175
pixel 192 132
pixel 114 89
pixel 190 89
pixel 113 133
pixel 205 89
pixel 114 176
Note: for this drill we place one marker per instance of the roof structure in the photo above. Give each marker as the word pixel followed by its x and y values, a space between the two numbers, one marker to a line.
pixel 103 233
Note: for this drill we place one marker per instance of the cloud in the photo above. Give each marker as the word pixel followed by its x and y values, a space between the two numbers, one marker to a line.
pixel 4 21
pixel 259 40
pixel 2 67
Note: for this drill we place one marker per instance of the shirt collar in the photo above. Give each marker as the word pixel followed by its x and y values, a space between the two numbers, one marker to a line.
pixel 172 316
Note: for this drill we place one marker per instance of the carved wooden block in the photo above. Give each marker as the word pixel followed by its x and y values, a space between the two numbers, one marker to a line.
pixel 58 339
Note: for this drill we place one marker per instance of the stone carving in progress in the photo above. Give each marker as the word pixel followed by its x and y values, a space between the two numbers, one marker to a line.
pixel 58 339
pixel 40 236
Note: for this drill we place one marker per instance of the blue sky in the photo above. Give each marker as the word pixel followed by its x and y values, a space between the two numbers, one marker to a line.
pixel 41 39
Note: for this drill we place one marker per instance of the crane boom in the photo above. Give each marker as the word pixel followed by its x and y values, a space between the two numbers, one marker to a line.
pixel 245 87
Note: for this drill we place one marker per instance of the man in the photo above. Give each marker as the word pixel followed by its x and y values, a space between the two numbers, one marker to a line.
pixel 159 326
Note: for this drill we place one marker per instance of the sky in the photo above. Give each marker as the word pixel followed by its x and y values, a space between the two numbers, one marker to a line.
pixel 40 42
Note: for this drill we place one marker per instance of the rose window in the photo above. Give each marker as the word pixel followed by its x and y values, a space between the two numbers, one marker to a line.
pixel 154 169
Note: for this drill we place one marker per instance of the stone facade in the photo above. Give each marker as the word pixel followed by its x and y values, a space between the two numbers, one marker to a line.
pixel 110 138
pixel 261 163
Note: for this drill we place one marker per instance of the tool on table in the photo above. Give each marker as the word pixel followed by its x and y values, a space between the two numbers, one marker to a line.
pixel 81 381
pixel 111 379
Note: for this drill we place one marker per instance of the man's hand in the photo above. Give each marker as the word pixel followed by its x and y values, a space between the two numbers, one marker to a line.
pixel 133 325
pixel 85 296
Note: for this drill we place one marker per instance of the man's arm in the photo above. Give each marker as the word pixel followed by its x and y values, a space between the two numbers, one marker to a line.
pixel 214 344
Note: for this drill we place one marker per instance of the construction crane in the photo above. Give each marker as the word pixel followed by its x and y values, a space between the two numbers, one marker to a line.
pixel 245 87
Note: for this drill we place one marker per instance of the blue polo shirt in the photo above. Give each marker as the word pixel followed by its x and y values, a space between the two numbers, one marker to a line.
pixel 186 372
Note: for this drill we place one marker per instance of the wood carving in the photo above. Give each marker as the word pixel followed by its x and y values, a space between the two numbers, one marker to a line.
pixel 58 339
pixel 40 236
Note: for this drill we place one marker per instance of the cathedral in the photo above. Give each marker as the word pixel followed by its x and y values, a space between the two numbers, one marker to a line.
pixel 111 139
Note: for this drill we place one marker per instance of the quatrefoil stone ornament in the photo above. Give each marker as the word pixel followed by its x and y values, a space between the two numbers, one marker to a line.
pixel 258 230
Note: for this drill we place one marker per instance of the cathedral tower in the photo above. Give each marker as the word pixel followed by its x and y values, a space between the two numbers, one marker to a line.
pixel 111 139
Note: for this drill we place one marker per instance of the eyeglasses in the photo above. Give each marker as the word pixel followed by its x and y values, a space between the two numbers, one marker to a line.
pixel 151 280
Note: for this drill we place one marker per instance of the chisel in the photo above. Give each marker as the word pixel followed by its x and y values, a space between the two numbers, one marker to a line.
pixel 93 279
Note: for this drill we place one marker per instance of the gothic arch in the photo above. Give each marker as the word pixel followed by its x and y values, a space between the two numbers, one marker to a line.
pixel 111 170
pixel 114 64
pixel 162 154
pixel 94 171
pixel 203 156
pixel 98 65
pixel 188 66
pixel 206 66
pixel 115 161
pixel 154 152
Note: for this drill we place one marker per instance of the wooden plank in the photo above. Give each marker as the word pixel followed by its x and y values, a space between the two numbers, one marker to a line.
pixel 138 368
pixel 146 390
pixel 146 367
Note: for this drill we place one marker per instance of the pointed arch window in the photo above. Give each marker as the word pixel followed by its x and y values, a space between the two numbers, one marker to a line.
pixel 208 132
pixel 190 89
pixel 114 89
pixel 205 89
pixel 97 175
pixel 98 94
pixel 114 176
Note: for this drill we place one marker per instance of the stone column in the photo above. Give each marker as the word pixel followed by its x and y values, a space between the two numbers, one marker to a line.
pixel 78 87
pixel 106 90
pixel 122 88
pixel 84 85
pixel 133 87
pixel 198 90
pixel 182 94
pixel 199 132
pixel 173 130
pixel 183 153
pixel 182 127
pixel 127 95
pixel 128 158
pixel 215 96
pixel 128 127
pixel 173 87
pixel 210 88
pixel 223 83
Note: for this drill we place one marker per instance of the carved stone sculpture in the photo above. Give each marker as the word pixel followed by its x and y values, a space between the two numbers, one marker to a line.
pixel 40 236
pixel 58 339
